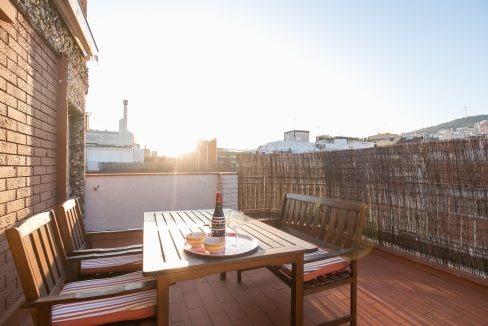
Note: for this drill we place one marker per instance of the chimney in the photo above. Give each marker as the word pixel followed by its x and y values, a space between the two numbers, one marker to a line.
pixel 123 121
pixel 125 114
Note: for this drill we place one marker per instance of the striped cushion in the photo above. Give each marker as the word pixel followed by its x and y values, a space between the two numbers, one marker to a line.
pixel 109 310
pixel 126 263
pixel 95 312
pixel 103 282
pixel 315 269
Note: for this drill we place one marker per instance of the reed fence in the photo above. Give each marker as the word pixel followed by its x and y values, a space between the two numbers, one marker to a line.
pixel 429 199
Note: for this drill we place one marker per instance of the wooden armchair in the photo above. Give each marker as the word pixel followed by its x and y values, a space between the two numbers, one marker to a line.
pixel 336 227
pixel 85 259
pixel 39 257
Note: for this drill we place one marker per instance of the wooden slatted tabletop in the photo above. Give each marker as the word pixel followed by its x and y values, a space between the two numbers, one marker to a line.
pixel 166 258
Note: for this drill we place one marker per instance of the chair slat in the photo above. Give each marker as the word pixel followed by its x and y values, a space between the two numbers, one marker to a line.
pixel 331 225
pixel 42 260
pixel 340 229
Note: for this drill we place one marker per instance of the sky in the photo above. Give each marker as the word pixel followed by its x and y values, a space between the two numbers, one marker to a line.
pixel 244 72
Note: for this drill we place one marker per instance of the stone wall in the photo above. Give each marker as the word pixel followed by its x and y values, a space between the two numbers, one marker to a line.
pixel 29 55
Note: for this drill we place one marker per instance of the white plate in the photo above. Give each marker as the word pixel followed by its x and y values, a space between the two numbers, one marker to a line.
pixel 246 244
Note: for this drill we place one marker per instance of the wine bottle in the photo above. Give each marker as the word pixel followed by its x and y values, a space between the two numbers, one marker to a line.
pixel 218 217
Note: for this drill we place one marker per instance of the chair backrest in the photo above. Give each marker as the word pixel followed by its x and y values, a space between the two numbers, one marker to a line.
pixel 71 225
pixel 38 255
pixel 336 222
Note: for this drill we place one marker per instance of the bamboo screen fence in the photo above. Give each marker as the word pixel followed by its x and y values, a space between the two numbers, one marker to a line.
pixel 429 199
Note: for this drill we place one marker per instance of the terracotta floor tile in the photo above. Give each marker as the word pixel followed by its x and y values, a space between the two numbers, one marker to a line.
pixel 199 316
pixel 178 311
pixel 220 319
pixel 212 304
pixel 193 300
pixel 390 292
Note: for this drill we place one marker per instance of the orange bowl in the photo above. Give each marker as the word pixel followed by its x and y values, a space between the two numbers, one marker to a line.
pixel 195 239
pixel 214 244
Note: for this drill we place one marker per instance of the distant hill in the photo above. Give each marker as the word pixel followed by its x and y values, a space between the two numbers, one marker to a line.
pixel 458 123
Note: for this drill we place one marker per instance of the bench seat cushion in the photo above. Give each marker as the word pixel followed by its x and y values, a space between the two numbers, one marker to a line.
pixel 108 310
pixel 117 264
pixel 315 269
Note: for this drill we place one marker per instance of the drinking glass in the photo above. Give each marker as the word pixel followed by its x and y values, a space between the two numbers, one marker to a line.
pixel 238 219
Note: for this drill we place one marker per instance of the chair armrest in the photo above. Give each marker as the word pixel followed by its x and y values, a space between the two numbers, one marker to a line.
pixel 114 232
pixel 109 239
pixel 336 253
pixel 80 296
pixel 104 250
pixel 104 255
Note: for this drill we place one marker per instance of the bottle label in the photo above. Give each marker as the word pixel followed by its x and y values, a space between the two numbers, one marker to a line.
pixel 218 227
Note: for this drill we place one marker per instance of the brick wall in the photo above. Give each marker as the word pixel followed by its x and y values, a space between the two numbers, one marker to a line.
pixel 27 137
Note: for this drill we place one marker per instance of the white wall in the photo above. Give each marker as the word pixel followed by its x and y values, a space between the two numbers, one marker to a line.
pixel 120 200
pixel 106 154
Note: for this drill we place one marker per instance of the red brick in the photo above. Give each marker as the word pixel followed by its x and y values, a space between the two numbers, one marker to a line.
pixel 16 92
pixel 33 180
pixel 3 109
pixel 9 52
pixel 3 210
pixel 17 115
pixel 8 123
pixel 38 170
pixel 32 200
pixel 24 192
pixel 23 213
pixel 15 68
pixel 40 151
pixel 39 188
pixel 25 128
pixel 40 207
pixel 3 134
pixel 17 48
pixel 16 160
pixel 24 150
pixel 3 82
pixel 24 107
pixel 15 205
pixel 16 137
pixel 3 159
pixel 7 220
pixel 30 160
pixel 24 171
pixel 23 85
pixel 14 183
pixel 10 29
pixel 7 98
pixel 3 35
pixel 8 148
pixel 7 196
pixel 48 161
pixel 3 185
pixel 46 178
pixel 7 171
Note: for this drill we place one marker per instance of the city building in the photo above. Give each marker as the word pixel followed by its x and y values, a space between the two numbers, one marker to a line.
pixel 297 141
pixel 112 146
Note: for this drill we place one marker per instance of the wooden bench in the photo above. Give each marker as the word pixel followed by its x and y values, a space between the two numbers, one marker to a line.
pixel 336 227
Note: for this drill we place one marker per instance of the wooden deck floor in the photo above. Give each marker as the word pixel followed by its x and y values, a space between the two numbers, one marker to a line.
pixel 391 292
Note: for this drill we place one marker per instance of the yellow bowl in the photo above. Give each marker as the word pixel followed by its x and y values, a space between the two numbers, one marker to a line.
pixel 214 244
pixel 195 239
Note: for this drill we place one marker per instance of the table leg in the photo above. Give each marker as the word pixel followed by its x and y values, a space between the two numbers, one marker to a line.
pixel 163 301
pixel 297 293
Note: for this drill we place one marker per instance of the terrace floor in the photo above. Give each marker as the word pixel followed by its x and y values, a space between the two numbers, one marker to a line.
pixel 391 291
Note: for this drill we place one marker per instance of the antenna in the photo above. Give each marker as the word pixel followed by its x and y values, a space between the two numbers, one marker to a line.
pixel 465 111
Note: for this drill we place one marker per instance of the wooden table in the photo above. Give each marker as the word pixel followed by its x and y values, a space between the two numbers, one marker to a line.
pixel 165 257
